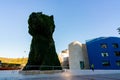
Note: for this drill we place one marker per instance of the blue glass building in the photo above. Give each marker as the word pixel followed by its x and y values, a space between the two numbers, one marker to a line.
pixel 104 52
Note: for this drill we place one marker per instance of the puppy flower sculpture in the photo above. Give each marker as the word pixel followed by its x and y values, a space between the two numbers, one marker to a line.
pixel 42 55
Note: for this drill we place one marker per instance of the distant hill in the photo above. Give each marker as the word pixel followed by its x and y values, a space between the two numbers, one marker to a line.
pixel 14 60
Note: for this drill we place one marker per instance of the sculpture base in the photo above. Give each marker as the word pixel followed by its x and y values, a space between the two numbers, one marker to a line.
pixel 28 72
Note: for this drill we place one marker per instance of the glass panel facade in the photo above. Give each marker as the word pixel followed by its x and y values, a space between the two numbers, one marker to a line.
pixel 106 63
pixel 115 45
pixel 82 64
pixel 103 45
pixel 118 62
pixel 104 54
pixel 117 53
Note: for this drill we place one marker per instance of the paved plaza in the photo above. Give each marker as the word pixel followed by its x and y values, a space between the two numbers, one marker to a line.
pixel 83 77
pixel 68 75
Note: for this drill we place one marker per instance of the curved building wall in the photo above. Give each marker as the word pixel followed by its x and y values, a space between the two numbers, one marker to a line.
pixel 104 52
pixel 76 56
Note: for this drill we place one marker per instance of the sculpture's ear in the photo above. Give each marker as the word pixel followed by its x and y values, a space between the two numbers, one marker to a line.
pixel 51 17
pixel 33 13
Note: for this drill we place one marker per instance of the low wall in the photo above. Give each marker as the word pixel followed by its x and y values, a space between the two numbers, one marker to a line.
pixel 40 72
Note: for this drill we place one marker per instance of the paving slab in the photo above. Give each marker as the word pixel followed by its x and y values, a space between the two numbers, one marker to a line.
pixel 67 75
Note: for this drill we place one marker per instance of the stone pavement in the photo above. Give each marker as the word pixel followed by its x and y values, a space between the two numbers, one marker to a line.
pixel 68 75
pixel 80 77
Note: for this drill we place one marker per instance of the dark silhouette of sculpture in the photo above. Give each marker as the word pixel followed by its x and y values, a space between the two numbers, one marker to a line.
pixel 42 54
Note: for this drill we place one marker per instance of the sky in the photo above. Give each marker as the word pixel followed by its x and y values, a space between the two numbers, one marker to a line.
pixel 79 20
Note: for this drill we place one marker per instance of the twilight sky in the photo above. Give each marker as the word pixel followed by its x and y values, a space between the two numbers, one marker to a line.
pixel 74 19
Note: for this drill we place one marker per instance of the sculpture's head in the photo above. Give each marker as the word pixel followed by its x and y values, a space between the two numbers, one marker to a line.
pixel 41 24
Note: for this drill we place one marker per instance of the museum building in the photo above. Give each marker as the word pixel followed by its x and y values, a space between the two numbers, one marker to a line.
pixel 102 52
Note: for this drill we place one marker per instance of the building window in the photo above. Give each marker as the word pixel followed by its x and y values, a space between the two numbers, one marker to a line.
pixel 117 53
pixel 104 54
pixel 115 45
pixel 118 62
pixel 106 63
pixel 104 45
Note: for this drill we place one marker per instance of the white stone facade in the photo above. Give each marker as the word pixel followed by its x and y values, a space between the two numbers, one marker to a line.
pixel 78 55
